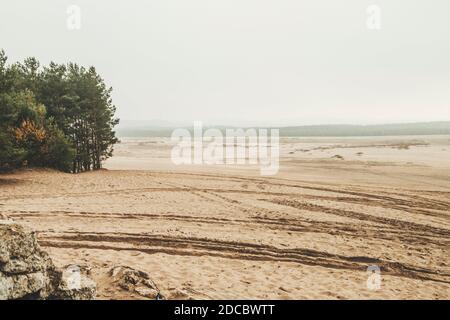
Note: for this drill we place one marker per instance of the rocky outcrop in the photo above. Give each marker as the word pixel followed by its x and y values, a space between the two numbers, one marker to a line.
pixel 27 272
pixel 75 285
pixel 135 281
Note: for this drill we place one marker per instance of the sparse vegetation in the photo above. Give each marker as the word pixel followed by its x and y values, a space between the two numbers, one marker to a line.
pixel 338 156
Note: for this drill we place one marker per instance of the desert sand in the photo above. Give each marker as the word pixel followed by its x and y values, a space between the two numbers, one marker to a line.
pixel 337 206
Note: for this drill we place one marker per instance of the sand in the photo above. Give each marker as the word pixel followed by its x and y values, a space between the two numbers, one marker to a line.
pixel 337 206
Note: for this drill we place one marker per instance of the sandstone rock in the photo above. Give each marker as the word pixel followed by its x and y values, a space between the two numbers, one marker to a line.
pixel 27 272
pixel 75 285
pixel 135 281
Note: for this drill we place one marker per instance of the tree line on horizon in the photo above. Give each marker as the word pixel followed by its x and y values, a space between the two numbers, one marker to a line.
pixel 57 116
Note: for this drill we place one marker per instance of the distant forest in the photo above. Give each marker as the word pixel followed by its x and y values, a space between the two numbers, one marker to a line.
pixel 426 128
pixel 404 129
pixel 58 116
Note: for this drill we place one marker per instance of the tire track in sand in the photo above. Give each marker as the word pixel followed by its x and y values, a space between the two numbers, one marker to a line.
pixel 152 244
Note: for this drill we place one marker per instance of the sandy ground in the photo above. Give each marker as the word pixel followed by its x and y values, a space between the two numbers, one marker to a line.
pixel 336 207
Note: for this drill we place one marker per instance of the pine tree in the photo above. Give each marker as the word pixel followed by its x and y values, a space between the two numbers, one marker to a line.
pixel 58 116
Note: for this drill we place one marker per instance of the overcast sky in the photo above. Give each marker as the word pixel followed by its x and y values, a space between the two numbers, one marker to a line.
pixel 269 61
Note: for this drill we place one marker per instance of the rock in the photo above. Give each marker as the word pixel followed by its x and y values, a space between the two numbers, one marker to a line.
pixel 27 272
pixel 75 285
pixel 135 281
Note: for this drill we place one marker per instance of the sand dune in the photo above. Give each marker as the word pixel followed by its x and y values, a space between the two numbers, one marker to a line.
pixel 226 233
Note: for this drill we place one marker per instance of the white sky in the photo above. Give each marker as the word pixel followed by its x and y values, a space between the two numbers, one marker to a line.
pixel 278 62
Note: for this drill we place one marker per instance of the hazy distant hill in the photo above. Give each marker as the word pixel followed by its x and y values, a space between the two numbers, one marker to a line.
pixel 425 128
